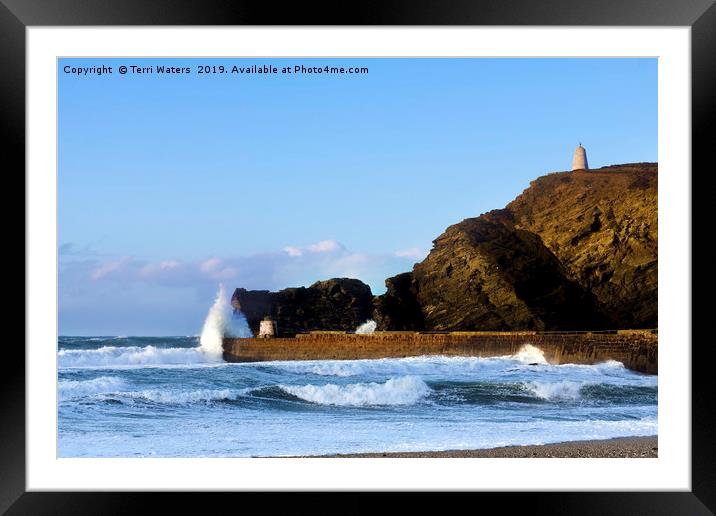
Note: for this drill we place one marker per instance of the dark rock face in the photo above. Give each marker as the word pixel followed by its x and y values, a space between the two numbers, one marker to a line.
pixel 576 250
pixel 484 273
pixel 335 304
pixel 398 309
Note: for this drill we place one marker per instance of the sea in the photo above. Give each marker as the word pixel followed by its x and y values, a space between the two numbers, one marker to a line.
pixel 123 396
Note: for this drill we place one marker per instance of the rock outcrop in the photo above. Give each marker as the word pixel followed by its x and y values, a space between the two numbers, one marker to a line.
pixel 398 309
pixel 484 273
pixel 576 250
pixel 602 226
pixel 335 304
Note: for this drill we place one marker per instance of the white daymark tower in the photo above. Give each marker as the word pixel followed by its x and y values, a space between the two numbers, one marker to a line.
pixel 579 161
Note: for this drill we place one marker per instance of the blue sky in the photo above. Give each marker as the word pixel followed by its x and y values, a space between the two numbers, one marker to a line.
pixel 169 185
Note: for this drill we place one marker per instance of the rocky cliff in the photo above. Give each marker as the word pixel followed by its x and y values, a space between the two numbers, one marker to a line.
pixel 576 250
pixel 602 226
pixel 335 304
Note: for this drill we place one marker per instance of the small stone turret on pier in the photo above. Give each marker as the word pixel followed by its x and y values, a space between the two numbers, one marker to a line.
pixel 579 161
pixel 267 328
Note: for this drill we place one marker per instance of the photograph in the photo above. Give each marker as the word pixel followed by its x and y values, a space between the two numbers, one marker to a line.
pixel 414 248
pixel 357 257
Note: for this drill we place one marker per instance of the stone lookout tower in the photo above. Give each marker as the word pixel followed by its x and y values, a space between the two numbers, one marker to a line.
pixel 579 162
pixel 267 328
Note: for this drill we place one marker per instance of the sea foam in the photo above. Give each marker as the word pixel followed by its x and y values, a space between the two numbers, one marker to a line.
pixel 564 390
pixel 110 356
pixel 183 397
pixel 529 354
pixel 367 328
pixel 69 389
pixel 403 390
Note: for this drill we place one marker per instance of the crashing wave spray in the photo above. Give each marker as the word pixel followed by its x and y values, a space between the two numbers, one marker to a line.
pixel 367 328
pixel 221 322
pixel 529 354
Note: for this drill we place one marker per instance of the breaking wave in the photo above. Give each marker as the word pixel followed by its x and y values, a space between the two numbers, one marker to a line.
pixel 404 390
pixel 339 368
pixel 69 389
pixel 607 367
pixel 109 356
pixel 564 390
pixel 529 354
pixel 221 322
pixel 367 328
pixel 182 397
pixel 458 366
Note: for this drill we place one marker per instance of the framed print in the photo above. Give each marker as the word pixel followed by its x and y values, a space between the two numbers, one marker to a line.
pixel 287 253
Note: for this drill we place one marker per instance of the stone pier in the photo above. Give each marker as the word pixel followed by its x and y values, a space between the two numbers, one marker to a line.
pixel 636 349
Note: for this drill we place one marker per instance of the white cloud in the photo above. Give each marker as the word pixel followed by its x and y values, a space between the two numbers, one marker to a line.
pixel 325 246
pixel 210 264
pixel 289 267
pixel 225 273
pixel 293 251
pixel 157 268
pixel 292 266
pixel 87 284
pixel 109 268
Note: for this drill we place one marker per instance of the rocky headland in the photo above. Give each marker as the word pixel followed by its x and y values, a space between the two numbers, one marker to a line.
pixel 334 304
pixel 576 250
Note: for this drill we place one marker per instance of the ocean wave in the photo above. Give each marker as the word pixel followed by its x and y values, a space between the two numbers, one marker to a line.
pixel 184 397
pixel 97 342
pixel 606 367
pixel 438 366
pixel 404 390
pixel 340 368
pixel 108 356
pixel 115 388
pixel 367 328
pixel 564 390
pixel 69 389
pixel 407 366
pixel 529 354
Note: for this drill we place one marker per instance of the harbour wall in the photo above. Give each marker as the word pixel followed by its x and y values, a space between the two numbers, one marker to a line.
pixel 636 349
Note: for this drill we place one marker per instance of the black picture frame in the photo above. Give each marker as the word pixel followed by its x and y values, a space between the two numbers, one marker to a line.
pixel 700 15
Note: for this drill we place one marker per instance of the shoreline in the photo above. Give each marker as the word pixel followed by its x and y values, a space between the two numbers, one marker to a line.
pixel 617 447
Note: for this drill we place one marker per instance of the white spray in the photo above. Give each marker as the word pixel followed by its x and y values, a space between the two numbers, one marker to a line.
pixel 529 354
pixel 221 322
pixel 367 328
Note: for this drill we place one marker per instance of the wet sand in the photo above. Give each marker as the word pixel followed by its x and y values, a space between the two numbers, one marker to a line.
pixel 619 447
